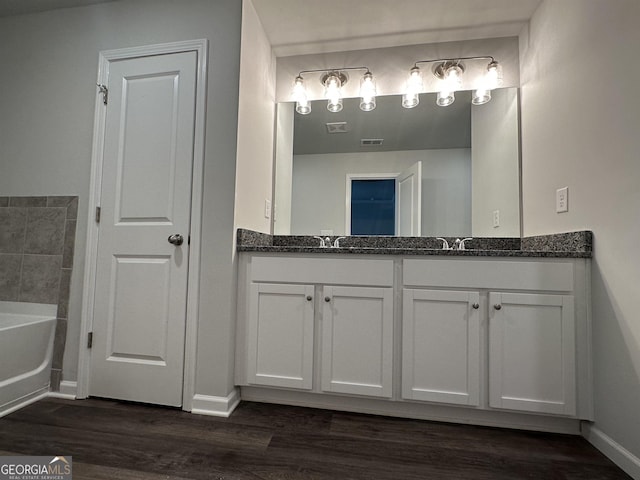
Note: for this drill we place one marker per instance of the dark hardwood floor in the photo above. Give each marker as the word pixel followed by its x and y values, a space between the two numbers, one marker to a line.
pixel 116 440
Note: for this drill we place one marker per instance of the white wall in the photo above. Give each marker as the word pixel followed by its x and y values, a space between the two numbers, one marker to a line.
pixel 49 67
pixel 319 188
pixel 580 128
pixel 495 166
pixel 256 116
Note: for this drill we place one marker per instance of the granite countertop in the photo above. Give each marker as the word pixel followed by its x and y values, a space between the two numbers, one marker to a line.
pixel 561 245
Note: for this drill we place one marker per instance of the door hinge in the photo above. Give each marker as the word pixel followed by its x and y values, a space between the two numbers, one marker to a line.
pixel 97 214
pixel 90 340
pixel 104 91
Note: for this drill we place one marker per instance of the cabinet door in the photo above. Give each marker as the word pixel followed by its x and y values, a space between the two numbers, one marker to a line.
pixel 441 346
pixel 532 353
pixel 280 332
pixel 357 340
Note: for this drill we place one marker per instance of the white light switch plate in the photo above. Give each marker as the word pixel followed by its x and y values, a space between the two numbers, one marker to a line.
pixel 267 209
pixel 496 218
pixel 562 200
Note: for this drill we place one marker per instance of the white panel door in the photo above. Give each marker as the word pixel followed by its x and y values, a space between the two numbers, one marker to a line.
pixel 357 340
pixel 441 346
pixel 532 353
pixel 141 278
pixel 409 201
pixel 280 335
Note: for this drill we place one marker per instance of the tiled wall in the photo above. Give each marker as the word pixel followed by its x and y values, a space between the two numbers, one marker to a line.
pixel 37 236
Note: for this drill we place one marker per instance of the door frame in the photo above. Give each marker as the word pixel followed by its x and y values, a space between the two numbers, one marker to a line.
pixel 199 46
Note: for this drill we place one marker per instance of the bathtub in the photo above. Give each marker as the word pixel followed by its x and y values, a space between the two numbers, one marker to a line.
pixel 26 347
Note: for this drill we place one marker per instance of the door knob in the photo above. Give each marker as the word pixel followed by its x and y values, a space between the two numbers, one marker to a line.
pixel 176 239
pixel 497 306
pixel 476 306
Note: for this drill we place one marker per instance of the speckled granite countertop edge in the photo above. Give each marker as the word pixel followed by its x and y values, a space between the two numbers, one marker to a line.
pixel 563 245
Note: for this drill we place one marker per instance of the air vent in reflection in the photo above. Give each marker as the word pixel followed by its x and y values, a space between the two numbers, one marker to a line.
pixel 337 127
pixel 371 142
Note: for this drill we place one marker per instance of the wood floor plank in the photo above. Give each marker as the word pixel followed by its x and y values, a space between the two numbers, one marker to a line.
pixel 118 440
pixel 506 442
pixel 152 421
pixel 87 471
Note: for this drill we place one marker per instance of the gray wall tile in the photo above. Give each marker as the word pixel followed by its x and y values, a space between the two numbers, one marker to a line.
pixel 63 295
pixel 28 201
pixel 58 343
pixel 13 222
pixel 10 277
pixel 56 378
pixel 69 243
pixel 45 230
pixel 4 201
pixel 69 202
pixel 40 278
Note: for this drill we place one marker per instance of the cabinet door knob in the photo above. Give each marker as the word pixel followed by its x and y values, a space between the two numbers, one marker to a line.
pixel 327 299
pixel 476 306
pixel 309 298
pixel 497 306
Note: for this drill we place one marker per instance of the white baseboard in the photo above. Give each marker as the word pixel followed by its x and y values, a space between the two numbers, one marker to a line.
pixel 23 402
pixel 215 406
pixel 619 455
pixel 68 390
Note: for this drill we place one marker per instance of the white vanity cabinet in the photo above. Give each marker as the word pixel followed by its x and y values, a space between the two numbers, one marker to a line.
pixel 280 335
pixel 532 354
pixel 357 340
pixel 441 346
pixel 494 341
pixel 316 323
pixel 530 334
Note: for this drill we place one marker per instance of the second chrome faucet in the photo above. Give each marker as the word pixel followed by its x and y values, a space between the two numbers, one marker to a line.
pixel 325 242
pixel 458 244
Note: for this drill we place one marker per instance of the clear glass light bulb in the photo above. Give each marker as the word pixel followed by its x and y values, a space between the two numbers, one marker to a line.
pixel 493 77
pixel 299 94
pixel 481 96
pixel 445 98
pixel 453 78
pixel 333 93
pixel 367 92
pixel 413 89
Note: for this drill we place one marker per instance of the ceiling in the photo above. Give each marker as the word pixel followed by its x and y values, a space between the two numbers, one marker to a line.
pixel 309 26
pixel 20 7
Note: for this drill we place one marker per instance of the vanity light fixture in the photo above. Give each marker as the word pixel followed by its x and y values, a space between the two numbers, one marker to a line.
pixel 333 80
pixel 449 71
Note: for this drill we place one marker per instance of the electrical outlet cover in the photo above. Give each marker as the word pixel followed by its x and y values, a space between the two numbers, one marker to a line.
pixel 562 200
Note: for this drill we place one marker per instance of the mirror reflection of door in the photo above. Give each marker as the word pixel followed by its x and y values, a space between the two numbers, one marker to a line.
pixel 385 204
pixel 373 206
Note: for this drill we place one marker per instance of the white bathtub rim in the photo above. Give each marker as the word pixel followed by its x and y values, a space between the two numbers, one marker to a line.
pixel 45 365
pixel 24 401
pixel 32 309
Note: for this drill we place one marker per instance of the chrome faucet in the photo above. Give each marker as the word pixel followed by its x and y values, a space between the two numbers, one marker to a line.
pixel 459 244
pixel 445 244
pixel 323 242
pixel 336 242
